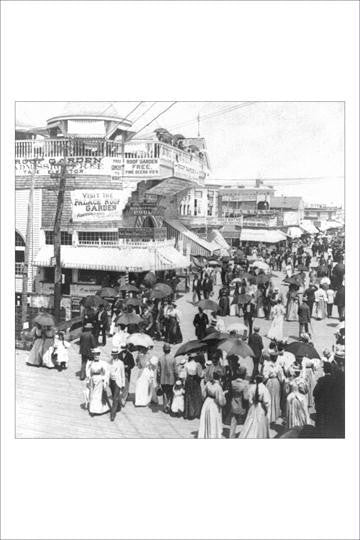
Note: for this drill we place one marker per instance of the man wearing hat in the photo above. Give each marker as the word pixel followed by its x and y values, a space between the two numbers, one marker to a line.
pixel 167 374
pixel 304 316
pixel 256 343
pixel 116 382
pixel 127 359
pixel 87 343
pixel 239 399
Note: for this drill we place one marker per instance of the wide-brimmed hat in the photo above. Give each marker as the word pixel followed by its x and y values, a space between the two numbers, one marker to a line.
pixel 88 325
pixel 96 351
pixel 183 361
pixel 115 350
pixel 340 351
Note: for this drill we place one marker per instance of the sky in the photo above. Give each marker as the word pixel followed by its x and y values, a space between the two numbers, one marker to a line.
pixel 298 147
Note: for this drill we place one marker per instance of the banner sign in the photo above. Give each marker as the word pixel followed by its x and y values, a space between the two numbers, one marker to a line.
pixel 238 195
pixel 140 233
pixel 189 172
pixel 98 205
pixel 135 167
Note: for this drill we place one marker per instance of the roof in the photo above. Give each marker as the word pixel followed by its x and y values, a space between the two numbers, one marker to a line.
pixel 262 235
pixel 90 108
pixel 290 203
pixel 137 259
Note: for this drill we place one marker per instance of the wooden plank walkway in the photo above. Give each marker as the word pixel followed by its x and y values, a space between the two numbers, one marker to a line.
pixel 48 403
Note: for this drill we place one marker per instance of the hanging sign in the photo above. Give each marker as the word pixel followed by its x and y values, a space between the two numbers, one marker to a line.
pixel 98 204
pixel 135 167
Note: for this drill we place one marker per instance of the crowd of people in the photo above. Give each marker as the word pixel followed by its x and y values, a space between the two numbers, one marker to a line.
pixel 270 387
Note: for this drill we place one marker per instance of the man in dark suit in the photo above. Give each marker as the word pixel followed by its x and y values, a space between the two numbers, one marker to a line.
pixel 256 343
pixel 101 324
pixel 207 286
pixel 304 316
pixel 87 342
pixel 249 314
pixel 310 295
pixel 196 289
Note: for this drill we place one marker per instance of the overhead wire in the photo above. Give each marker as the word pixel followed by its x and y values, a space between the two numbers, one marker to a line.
pixel 156 117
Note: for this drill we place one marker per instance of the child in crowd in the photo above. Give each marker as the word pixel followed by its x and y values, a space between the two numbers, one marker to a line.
pixel 177 406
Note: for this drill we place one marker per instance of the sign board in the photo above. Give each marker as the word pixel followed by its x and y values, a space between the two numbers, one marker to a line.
pixel 78 289
pixel 98 204
pixel 135 167
pixel 191 171
pixel 238 195
pixel 290 218
pixel 269 221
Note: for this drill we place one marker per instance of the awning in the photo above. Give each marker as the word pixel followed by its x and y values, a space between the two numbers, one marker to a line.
pixel 171 186
pixel 217 237
pixel 262 235
pixel 209 247
pixel 332 225
pixel 115 259
pixel 295 232
pixel 309 227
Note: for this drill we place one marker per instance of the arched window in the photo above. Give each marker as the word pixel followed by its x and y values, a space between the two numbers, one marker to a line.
pixel 148 222
pixel 19 253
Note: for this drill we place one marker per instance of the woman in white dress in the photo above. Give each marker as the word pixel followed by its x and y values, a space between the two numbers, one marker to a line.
pixel 210 419
pixel 297 407
pixel 277 314
pixel 35 354
pixel 146 383
pixel 273 378
pixel 97 380
pixel 320 304
pixel 257 425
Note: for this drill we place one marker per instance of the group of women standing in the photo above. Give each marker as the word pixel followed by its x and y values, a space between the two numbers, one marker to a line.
pixel 49 348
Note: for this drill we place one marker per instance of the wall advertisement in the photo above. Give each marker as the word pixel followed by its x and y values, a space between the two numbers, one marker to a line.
pixel 98 204
pixel 135 167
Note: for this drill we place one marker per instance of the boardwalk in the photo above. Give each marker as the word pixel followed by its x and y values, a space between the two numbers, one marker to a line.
pixel 49 403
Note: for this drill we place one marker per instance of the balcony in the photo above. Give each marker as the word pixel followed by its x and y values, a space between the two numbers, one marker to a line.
pixel 97 156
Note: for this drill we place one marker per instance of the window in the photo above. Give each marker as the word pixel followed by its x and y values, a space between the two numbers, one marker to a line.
pixel 66 238
pixel 49 275
pixel 19 241
pixel 89 276
pixel 88 238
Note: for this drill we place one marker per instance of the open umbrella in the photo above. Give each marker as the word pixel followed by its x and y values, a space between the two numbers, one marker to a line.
pixel 215 336
pixel 237 327
pixel 214 263
pixel 302 268
pixel 208 304
pixel 262 278
pixel 246 275
pixel 150 279
pixel 243 299
pixel 225 258
pixel 108 292
pixel 236 280
pixel 140 340
pixel 129 318
pixel 293 280
pixel 93 301
pixel 163 288
pixel 301 349
pixel 260 264
pixel 132 302
pixel 189 347
pixel 127 287
pixel 236 346
pixel 44 319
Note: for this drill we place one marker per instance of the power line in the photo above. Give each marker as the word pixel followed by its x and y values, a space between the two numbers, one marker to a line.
pixel 143 113
pixel 156 117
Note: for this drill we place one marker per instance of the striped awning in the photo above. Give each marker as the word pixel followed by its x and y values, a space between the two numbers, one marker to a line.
pixel 114 258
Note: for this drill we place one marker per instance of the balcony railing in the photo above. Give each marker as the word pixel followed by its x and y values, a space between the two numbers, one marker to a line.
pixel 98 148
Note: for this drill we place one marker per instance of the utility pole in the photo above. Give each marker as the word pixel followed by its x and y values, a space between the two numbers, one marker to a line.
pixel 28 242
pixel 57 232
pixel 198 121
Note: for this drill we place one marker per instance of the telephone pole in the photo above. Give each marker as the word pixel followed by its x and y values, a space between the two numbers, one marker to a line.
pixel 28 246
pixel 198 122
pixel 62 177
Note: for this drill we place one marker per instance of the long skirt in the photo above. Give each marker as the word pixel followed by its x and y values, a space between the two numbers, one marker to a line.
pixel 224 306
pixel 297 411
pixel 35 354
pixel 273 385
pixel 210 420
pixel 311 382
pixel 143 389
pixel 48 361
pixel 98 402
pixel 320 310
pixel 292 311
pixel 256 425
pixel 276 328
pixel 193 397
pixel 174 334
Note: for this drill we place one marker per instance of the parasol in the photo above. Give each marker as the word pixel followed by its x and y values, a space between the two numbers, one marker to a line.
pixel 129 318
pixel 261 264
pixel 161 290
pixel 215 336
pixel 127 287
pixel 236 346
pixel 108 292
pixel 140 340
pixel 301 349
pixel 44 319
pixel 150 279
pixel 191 346
pixel 302 268
pixel 208 304
pixel 93 301
pixel 214 263
pixel 132 302
pixel 262 278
